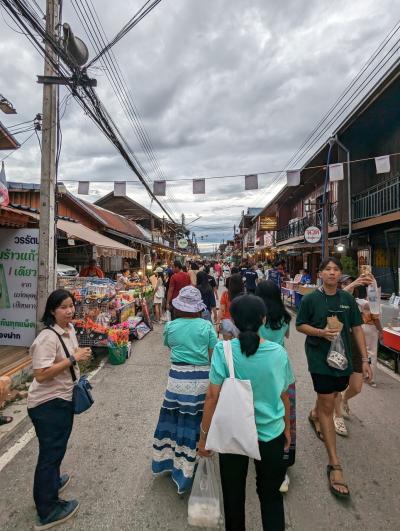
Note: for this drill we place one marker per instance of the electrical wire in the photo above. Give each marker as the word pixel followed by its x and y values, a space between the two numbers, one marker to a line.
pixel 15 151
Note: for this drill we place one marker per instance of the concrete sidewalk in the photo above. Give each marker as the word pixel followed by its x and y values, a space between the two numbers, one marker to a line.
pixel 110 451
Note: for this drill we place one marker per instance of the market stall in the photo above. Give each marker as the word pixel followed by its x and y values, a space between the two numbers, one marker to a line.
pixel 106 318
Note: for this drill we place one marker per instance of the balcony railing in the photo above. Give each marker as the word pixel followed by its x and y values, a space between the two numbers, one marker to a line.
pixel 383 198
pixel 313 219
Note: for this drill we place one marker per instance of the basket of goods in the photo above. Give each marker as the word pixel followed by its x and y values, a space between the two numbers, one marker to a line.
pixel 118 341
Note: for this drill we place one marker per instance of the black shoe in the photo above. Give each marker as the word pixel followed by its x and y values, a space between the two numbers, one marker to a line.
pixel 64 480
pixel 63 511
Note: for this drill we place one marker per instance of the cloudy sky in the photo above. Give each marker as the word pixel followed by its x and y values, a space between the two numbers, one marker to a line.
pixel 223 87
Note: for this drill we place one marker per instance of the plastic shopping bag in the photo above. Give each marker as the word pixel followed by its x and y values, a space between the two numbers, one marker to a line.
pixel 204 509
pixel 336 357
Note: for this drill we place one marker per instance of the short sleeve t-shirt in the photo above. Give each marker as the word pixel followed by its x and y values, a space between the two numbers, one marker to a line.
pixel 314 310
pixel 226 303
pixel 177 282
pixel 45 351
pixel 270 373
pixel 190 340
pixel 276 336
pixel 251 279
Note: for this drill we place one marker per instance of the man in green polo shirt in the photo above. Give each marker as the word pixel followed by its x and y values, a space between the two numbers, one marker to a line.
pixel 328 382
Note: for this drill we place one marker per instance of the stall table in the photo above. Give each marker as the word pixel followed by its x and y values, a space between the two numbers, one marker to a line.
pixel 391 340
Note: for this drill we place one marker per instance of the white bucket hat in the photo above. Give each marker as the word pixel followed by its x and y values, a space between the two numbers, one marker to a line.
pixel 189 300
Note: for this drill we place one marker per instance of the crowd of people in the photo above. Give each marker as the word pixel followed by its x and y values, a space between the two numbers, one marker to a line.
pixel 341 337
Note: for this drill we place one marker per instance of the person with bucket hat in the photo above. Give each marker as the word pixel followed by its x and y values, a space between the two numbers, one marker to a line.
pixel 191 340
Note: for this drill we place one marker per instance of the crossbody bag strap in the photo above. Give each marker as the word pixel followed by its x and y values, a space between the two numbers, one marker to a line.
pixel 229 358
pixel 73 375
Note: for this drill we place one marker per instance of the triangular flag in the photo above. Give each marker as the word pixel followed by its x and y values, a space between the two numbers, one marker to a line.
pixel 199 186
pixel 293 177
pixel 4 197
pixel 83 188
pixel 336 172
pixel 382 164
pixel 159 187
pixel 119 188
pixel 251 182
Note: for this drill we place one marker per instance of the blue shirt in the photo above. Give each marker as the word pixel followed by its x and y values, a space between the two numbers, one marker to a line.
pixel 190 340
pixel 270 373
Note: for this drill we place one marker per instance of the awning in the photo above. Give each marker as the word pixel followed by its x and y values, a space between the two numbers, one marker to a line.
pixel 104 246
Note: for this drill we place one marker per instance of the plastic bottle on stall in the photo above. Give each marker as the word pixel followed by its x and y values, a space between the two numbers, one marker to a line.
pixel 392 297
pixel 373 298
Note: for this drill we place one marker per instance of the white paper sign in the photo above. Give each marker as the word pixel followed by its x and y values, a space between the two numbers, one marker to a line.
pixel 336 172
pixel 83 188
pixel 119 188
pixel 382 164
pixel 18 285
pixel 199 186
pixel 159 187
pixel 251 182
pixel 293 177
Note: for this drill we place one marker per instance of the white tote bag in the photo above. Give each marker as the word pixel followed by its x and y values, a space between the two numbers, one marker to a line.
pixel 233 426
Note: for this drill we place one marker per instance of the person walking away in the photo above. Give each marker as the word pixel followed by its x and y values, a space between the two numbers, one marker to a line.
pixel 268 368
pixel 5 386
pixel 178 280
pixel 159 295
pixel 207 295
pixel 224 320
pixel 276 329
pixel 226 272
pixel 214 287
pixel 92 270
pixel 50 406
pixel 312 320
pixel 276 274
pixel 251 278
pixel 191 340
pixel 260 273
pixel 218 271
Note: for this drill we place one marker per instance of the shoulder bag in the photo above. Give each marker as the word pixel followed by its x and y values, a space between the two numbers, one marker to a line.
pixel 81 396
pixel 233 427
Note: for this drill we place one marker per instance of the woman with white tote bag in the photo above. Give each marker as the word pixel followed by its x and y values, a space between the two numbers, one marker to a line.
pixel 266 365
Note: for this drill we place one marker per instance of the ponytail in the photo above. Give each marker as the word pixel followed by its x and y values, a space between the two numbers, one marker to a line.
pixel 249 342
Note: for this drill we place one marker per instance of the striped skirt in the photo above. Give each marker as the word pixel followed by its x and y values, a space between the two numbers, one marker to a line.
pixel 178 429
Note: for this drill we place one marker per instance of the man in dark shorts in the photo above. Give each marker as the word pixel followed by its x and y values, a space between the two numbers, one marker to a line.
pixel 311 320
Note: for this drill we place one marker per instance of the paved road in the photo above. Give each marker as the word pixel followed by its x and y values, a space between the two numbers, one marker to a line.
pixel 110 451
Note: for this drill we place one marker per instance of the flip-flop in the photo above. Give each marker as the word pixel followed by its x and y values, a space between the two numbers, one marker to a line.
pixel 332 483
pixel 5 419
pixel 313 423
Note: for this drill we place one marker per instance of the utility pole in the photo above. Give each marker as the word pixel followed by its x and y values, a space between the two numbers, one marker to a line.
pixel 47 223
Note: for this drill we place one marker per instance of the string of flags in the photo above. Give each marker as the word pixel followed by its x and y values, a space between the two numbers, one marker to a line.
pixel 251 182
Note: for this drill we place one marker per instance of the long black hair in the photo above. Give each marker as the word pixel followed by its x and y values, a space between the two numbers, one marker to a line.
pixel 248 312
pixel 202 283
pixel 277 315
pixel 54 301
pixel 235 286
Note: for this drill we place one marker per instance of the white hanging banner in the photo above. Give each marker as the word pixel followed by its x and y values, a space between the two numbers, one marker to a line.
pixel 199 186
pixel 159 187
pixel 336 172
pixel 382 164
pixel 119 188
pixel 251 182
pixel 293 178
pixel 83 188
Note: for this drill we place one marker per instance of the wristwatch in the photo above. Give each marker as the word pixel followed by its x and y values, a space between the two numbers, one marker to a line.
pixel 72 360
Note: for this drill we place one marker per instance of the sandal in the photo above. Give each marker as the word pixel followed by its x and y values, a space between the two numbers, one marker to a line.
pixel 333 483
pixel 5 419
pixel 340 426
pixel 316 426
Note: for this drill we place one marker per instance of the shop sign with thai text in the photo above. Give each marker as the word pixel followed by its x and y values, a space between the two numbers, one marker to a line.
pixel 312 235
pixel 268 223
pixel 18 286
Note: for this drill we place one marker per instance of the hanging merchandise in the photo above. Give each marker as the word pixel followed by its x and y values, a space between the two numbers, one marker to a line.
pixel 336 172
pixel 199 186
pixel 120 188
pixel 83 188
pixel 293 178
pixel 159 187
pixel 382 164
pixel 251 182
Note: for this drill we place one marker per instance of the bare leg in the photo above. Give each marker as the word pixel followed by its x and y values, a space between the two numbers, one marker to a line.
pixel 326 407
pixel 157 312
pixel 355 386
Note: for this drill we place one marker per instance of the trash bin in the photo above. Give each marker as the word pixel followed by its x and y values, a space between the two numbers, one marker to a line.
pixel 117 355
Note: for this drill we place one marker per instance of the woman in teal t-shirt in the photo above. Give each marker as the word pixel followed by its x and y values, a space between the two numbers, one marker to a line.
pixel 267 366
pixel 191 340
pixel 276 329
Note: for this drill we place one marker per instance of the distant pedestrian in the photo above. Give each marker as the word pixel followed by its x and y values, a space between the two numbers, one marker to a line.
pixel 92 270
pixel 159 295
pixel 194 269
pixel 276 329
pixel 50 406
pixel 178 280
pixel 191 340
pixel 226 272
pixel 268 368
pixel 226 325
pixel 214 287
pixel 331 378
pixel 260 273
pixel 250 277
